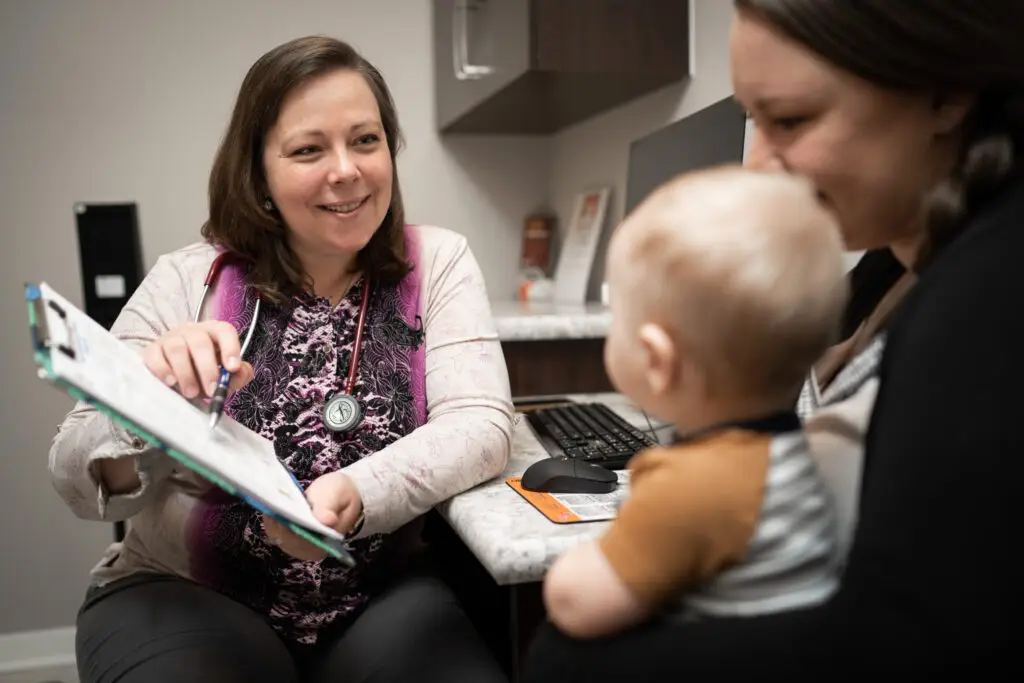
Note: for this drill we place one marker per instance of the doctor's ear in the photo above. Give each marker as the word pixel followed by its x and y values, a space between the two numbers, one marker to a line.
pixel 660 358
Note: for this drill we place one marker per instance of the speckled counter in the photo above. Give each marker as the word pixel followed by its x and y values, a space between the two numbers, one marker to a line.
pixel 530 321
pixel 512 540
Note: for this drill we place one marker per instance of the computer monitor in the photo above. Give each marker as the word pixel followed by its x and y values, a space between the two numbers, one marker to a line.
pixel 715 135
pixel 712 136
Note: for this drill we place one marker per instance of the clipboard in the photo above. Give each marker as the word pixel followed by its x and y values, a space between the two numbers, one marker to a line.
pixel 79 356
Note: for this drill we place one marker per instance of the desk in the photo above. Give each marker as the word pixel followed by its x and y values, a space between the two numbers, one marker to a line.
pixel 514 543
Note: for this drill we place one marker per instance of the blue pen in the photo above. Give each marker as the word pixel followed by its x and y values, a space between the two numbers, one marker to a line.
pixel 220 395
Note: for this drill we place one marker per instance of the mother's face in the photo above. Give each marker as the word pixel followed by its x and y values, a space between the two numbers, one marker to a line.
pixel 871 153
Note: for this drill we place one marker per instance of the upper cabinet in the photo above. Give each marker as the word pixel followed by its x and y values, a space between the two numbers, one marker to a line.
pixel 536 66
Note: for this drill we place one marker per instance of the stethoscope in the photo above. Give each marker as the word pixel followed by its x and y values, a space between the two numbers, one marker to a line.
pixel 342 412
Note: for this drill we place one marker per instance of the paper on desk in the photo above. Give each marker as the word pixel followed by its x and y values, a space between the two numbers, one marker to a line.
pixel 592 507
pixel 569 508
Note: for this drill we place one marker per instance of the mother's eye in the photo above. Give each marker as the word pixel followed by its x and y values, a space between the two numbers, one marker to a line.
pixel 305 151
pixel 789 123
pixel 367 139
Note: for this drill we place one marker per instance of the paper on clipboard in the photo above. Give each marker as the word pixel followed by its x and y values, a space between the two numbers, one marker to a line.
pixel 80 356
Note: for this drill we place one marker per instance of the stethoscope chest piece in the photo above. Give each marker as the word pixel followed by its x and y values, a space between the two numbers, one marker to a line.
pixel 342 413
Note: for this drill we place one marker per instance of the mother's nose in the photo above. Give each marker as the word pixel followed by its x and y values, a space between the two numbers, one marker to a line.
pixel 760 155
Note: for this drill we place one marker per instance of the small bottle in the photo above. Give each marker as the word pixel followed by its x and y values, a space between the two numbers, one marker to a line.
pixel 538 231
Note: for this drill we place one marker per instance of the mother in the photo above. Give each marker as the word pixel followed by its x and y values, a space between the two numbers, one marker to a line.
pixel 909 117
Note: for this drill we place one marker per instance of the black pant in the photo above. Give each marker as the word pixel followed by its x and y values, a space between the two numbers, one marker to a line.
pixel 162 629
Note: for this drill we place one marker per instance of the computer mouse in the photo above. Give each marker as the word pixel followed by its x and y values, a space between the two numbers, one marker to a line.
pixel 568 475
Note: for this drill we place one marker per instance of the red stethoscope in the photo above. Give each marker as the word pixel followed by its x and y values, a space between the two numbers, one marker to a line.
pixel 342 412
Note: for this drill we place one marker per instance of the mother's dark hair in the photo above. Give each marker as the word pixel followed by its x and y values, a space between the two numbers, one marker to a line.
pixel 239 220
pixel 934 47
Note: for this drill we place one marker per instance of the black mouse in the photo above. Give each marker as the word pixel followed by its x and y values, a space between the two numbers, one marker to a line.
pixel 568 475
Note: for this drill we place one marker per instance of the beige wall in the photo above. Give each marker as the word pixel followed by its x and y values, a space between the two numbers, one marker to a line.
pixel 125 100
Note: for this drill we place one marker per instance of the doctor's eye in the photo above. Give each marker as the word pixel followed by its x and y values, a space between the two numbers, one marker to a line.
pixel 368 139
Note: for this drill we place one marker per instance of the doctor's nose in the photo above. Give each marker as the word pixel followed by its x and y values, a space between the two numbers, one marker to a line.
pixel 344 169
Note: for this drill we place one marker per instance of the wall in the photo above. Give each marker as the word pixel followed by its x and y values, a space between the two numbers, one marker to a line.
pixel 120 100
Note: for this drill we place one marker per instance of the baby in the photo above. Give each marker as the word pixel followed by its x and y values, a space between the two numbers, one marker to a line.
pixel 726 286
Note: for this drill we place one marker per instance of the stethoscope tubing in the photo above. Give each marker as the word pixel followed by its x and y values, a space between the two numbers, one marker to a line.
pixel 211 277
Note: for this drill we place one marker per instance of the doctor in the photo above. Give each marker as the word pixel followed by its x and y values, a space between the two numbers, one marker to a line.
pixel 372 363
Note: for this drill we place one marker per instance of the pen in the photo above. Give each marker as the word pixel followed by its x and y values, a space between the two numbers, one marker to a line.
pixel 220 395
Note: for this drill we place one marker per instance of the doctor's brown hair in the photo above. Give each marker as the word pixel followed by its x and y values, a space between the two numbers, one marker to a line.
pixel 238 220
pixel 935 47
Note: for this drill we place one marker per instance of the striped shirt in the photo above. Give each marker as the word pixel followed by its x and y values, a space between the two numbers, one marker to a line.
pixel 732 522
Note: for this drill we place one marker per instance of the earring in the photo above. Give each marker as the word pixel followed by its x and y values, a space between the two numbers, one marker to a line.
pixel 268 205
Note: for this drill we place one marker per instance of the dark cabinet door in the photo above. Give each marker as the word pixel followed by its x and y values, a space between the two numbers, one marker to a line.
pixel 481 46
pixel 533 67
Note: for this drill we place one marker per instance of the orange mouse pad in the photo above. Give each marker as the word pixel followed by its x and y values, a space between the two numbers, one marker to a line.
pixel 570 508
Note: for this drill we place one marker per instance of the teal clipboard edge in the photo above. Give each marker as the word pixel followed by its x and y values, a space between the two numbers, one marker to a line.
pixel 41 356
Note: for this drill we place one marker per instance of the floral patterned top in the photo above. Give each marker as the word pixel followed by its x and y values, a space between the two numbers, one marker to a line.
pixel 437 420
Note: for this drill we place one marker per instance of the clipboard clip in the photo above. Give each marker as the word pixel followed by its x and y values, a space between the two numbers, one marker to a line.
pixel 42 339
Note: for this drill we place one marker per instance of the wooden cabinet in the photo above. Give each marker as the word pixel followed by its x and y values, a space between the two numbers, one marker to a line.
pixel 536 66
pixel 556 366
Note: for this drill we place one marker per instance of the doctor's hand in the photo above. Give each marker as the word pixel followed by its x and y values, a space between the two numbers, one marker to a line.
pixel 189 356
pixel 335 501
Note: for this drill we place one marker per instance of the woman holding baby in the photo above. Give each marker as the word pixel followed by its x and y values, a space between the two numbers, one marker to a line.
pixel 908 117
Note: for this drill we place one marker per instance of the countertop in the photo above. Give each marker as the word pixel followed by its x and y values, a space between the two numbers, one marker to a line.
pixel 539 321
pixel 511 538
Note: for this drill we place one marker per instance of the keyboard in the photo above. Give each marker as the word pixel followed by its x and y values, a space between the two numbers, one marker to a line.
pixel 590 431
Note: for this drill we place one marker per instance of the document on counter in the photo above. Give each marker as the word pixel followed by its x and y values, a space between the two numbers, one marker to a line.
pixel 572 508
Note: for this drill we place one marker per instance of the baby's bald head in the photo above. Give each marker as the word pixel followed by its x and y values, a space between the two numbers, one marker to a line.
pixel 745 268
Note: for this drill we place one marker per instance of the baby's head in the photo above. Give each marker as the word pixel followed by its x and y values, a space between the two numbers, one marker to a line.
pixel 726 286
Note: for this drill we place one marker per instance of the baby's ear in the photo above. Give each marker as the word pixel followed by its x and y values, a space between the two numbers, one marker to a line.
pixel 661 359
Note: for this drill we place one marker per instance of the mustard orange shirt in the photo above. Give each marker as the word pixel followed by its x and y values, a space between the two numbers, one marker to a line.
pixel 733 521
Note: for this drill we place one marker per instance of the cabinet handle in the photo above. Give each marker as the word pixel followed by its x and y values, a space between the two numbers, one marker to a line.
pixel 464 71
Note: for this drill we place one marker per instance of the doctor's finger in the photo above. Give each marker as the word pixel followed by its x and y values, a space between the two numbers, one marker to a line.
pixel 153 359
pixel 177 354
pixel 204 359
pixel 289 543
pixel 226 338
pixel 240 378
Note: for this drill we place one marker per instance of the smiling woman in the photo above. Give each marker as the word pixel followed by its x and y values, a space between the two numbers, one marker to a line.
pixel 871 151
pixel 329 173
pixel 327 138
pixel 908 118
pixel 356 305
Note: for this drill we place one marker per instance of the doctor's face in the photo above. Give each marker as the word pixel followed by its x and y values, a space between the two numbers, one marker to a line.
pixel 328 166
